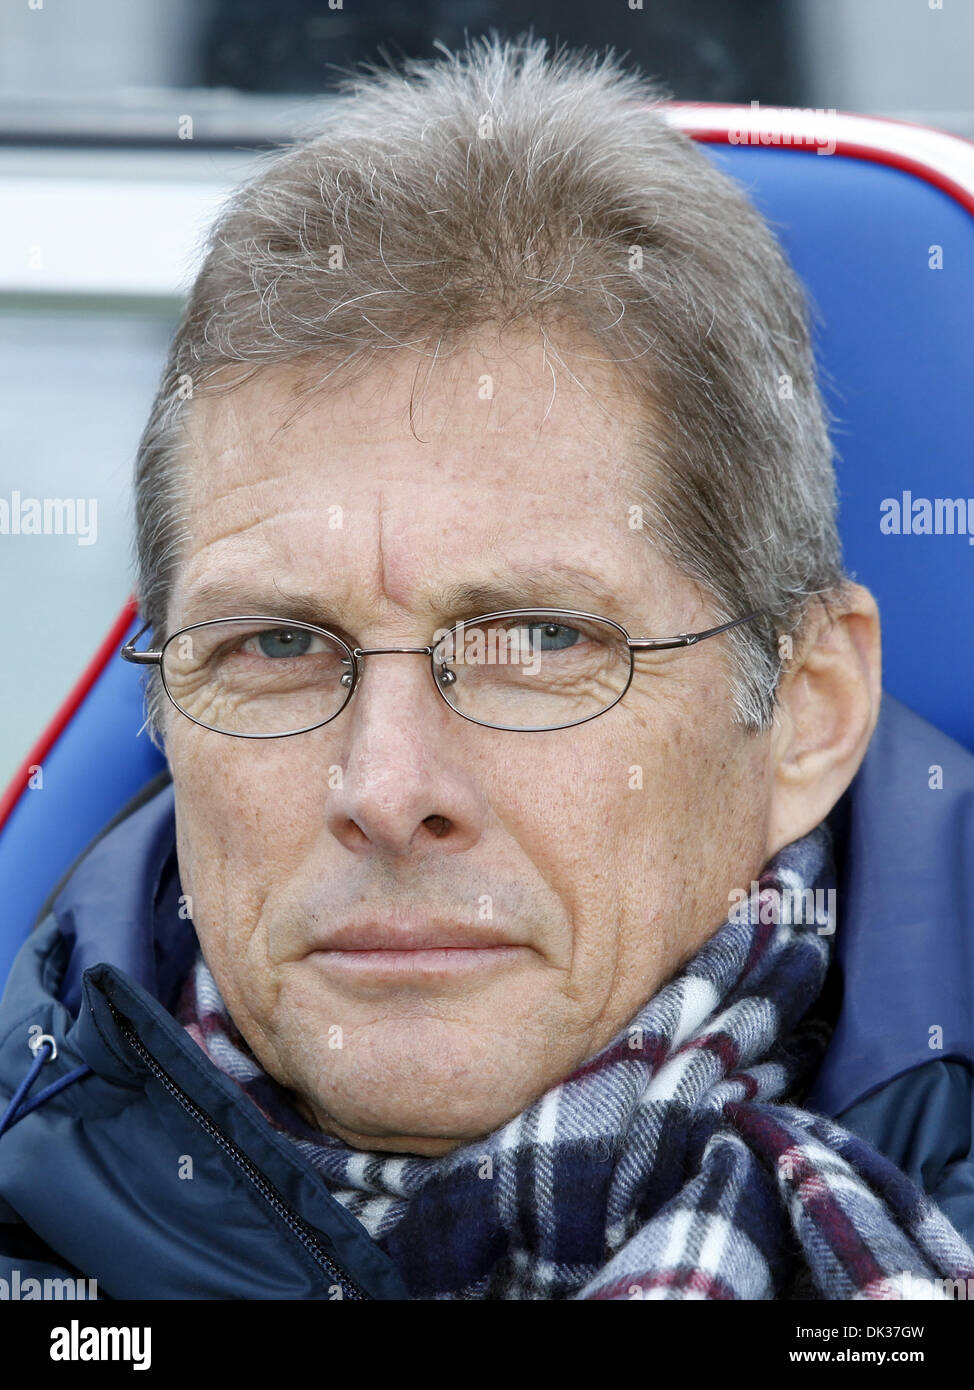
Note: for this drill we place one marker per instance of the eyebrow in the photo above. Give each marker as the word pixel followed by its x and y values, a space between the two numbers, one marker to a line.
pixel 538 589
pixel 558 587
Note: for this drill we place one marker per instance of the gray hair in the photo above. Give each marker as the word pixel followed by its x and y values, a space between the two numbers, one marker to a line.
pixel 501 184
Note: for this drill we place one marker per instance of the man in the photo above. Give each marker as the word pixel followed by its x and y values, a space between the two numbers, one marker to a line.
pixel 499 643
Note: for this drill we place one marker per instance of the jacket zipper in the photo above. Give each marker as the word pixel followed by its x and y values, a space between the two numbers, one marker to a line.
pixel 298 1228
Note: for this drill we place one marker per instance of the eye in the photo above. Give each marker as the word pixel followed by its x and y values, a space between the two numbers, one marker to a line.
pixel 552 637
pixel 284 641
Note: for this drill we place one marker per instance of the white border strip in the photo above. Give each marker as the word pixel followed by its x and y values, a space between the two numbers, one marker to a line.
pixel 99 235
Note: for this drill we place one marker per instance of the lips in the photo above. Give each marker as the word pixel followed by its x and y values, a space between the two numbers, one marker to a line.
pixel 415 934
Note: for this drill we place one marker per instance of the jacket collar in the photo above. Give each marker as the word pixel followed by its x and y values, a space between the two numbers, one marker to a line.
pixel 905 908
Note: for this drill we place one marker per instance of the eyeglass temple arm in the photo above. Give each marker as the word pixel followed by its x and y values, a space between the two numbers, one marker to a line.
pixel 128 652
pixel 687 639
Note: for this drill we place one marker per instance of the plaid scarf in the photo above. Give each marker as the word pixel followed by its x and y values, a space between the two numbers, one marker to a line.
pixel 667 1166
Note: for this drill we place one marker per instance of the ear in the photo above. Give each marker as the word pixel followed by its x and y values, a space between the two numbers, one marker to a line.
pixel 828 704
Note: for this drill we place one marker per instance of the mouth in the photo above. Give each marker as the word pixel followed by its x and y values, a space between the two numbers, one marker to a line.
pixel 430 962
pixel 416 947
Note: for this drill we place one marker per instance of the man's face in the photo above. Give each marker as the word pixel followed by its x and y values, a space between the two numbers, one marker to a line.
pixel 585 863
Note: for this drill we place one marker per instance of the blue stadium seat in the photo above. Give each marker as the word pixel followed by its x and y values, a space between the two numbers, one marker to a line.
pixel 862 227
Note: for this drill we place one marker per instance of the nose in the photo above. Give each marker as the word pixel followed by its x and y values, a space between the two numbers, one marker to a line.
pixel 406 785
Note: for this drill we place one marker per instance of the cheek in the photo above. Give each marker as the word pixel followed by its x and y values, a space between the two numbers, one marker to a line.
pixel 243 822
pixel 572 809
pixel 666 807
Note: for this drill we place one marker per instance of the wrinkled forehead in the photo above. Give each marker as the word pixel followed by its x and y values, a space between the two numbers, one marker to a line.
pixel 517 395
pixel 496 455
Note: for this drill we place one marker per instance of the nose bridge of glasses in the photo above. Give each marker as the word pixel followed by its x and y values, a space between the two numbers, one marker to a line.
pixel 358 652
pixel 386 651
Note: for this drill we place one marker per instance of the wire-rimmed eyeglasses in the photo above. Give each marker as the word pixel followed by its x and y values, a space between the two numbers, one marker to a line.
pixel 524 670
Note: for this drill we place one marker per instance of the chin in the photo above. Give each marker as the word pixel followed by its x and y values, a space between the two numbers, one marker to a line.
pixel 394 1096
pixel 413 1130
